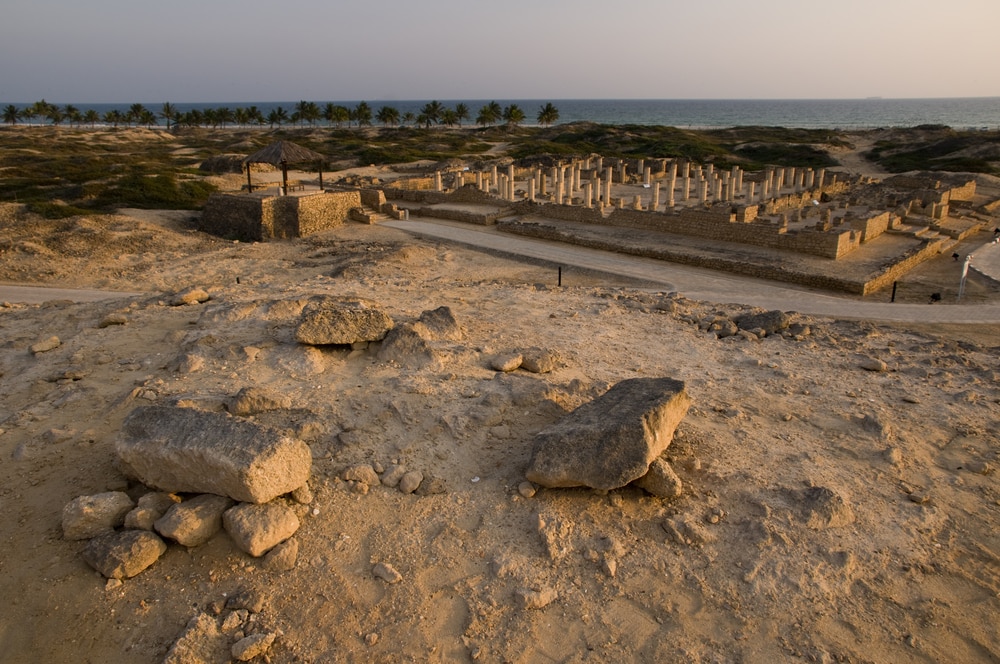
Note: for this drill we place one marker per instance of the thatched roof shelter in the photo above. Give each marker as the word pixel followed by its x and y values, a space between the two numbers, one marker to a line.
pixel 283 153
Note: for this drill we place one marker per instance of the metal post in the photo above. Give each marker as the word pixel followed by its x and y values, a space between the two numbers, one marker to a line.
pixel 560 275
pixel 893 292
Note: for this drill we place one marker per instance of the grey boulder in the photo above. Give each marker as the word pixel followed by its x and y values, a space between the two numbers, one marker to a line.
pixel 612 440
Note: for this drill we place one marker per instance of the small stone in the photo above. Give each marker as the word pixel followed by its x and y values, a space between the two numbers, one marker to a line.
pixel 362 473
pixel 610 567
pixel 45 345
pixel 190 296
pixel 539 360
pixel 124 554
pixel 195 521
pixel 410 481
pixel 250 600
pixel 536 599
pixel 89 516
pixel 507 362
pixel 303 495
pixel 527 489
pixel 256 529
pixel 253 400
pixel 387 573
pixel 284 556
pixel 114 318
pixel 661 480
pixel 252 646
pixel 874 364
pixel 393 475
pixel 201 641
pixel 150 507
pixel 233 622
pixel 978 467
pixel 432 486
pixel 371 638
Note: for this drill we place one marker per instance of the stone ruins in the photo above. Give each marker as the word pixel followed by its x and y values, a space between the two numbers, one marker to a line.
pixel 802 212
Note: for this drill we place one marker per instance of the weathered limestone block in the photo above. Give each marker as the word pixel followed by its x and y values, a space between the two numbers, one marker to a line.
pixel 194 522
pixel 334 320
pixel 611 441
pixel 89 516
pixel 253 400
pixel 183 450
pixel 256 529
pixel 124 554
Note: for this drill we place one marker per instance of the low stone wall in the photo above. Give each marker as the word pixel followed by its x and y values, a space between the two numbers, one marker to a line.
pixel 773 272
pixel 256 218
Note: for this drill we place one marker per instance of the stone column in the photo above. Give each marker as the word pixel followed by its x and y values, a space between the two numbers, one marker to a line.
pixel 702 191
pixel 709 171
pixel 790 177
pixel 560 191
pixel 810 178
pixel 646 175
pixel 588 195
pixel 531 190
pixel 637 203
pixel 686 188
pixel 820 176
pixel 607 189
pixel 437 181
pixel 656 197
pixel 751 191
pixel 640 169
pixel 598 191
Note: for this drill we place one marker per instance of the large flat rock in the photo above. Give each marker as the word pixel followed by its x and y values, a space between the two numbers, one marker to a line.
pixel 182 450
pixel 611 441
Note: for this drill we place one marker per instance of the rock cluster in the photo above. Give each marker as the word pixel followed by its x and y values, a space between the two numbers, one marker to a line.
pixel 614 440
pixel 235 468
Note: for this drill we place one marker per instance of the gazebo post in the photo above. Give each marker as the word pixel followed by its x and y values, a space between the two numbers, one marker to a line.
pixel 249 184
pixel 284 177
pixel 321 176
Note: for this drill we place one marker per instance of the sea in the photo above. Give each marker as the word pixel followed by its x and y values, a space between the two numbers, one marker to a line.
pixel 979 113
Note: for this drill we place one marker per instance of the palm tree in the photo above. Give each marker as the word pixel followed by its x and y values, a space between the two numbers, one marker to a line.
pixel 91 117
pixel 513 115
pixel 387 115
pixel 72 114
pixel 55 115
pixel 461 113
pixel 114 117
pixel 254 116
pixel 147 118
pixel 489 114
pixel 432 111
pixel 11 114
pixel 277 116
pixel 28 113
pixel 135 112
pixel 548 114
pixel 168 112
pixel 409 117
pixel 363 114
pixel 449 117
pixel 336 114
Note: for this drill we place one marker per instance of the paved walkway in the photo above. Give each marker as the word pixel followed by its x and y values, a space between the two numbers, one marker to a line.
pixel 40 294
pixel 701 284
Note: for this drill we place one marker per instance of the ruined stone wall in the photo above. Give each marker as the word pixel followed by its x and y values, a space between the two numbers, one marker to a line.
pixel 232 216
pixel 373 198
pixel 871 227
pixel 467 194
pixel 965 192
pixel 414 184
pixel 326 210
pixel 773 272
pixel 253 218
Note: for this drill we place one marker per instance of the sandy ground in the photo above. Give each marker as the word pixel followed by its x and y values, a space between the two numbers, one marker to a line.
pixel 896 561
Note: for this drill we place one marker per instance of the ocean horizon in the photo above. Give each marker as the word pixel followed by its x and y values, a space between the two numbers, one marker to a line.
pixel 982 113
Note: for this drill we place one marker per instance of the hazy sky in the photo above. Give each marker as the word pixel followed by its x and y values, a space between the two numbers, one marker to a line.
pixel 93 51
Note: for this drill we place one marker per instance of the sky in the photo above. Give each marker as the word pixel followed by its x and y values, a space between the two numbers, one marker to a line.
pixel 211 51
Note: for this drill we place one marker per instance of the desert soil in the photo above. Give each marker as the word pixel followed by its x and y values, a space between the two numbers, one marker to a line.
pixel 830 513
